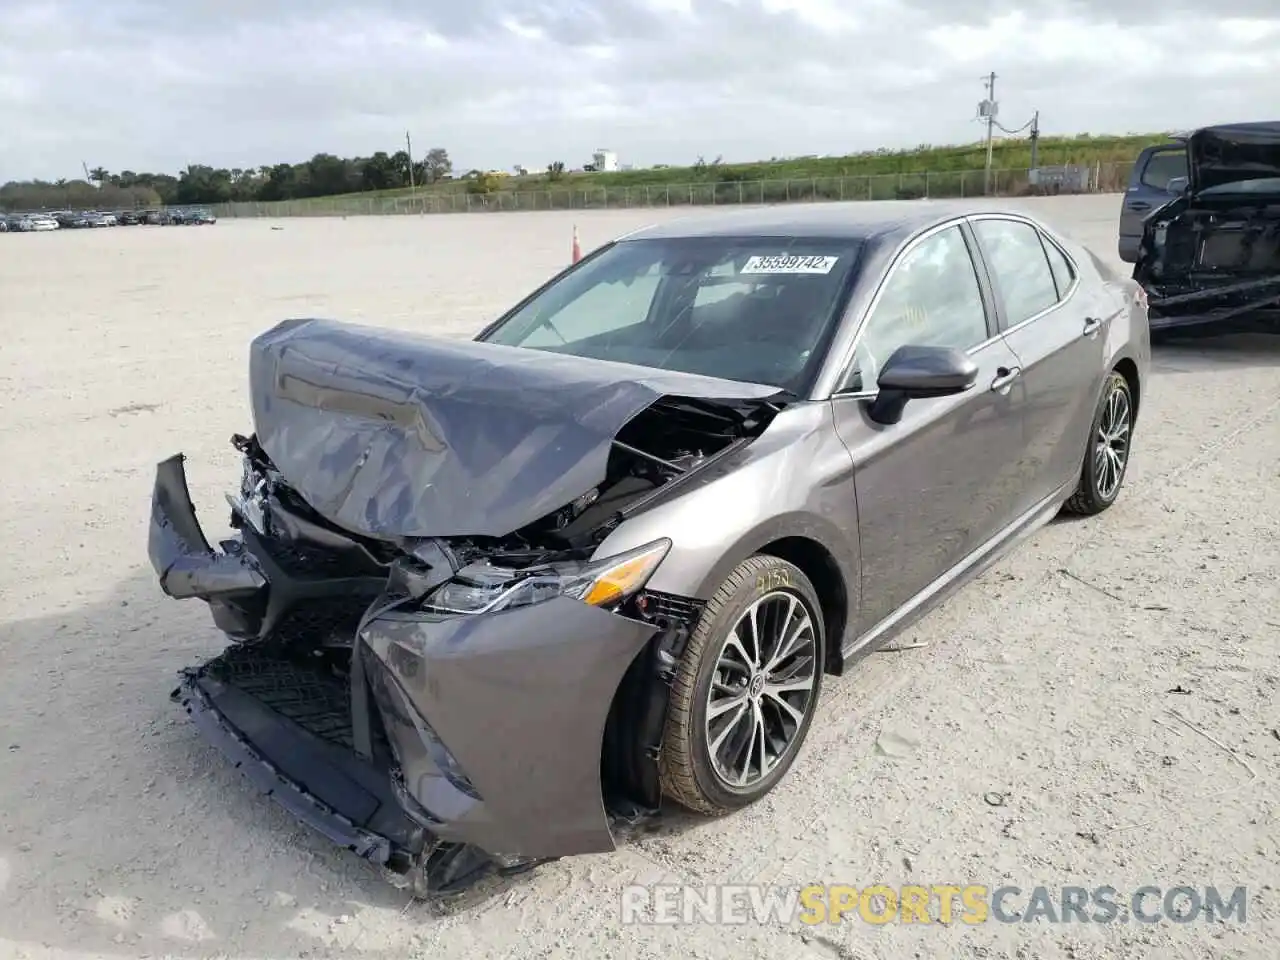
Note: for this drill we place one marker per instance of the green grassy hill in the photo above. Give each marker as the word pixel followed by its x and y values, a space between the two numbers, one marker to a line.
pixel 1008 154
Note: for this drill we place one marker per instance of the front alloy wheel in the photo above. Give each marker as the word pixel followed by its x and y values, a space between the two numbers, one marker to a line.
pixel 761 690
pixel 745 689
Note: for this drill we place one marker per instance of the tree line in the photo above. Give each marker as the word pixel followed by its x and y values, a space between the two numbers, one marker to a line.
pixel 323 175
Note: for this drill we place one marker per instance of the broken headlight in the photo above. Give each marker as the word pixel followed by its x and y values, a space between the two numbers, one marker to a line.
pixel 250 501
pixel 484 588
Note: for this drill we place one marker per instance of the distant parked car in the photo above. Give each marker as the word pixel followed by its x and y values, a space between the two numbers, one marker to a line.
pixel 107 220
pixel 1148 189
pixel 128 218
pixel 4 224
pixel 153 217
pixel 38 223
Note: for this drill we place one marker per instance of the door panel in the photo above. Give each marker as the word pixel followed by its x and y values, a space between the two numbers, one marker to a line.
pixel 944 479
pixel 1148 189
pixel 936 485
pixel 1058 334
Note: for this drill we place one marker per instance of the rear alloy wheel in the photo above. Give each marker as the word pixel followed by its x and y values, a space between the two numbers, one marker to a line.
pixel 1107 457
pixel 745 690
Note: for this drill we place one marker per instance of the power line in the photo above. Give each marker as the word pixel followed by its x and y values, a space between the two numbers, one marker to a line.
pixel 1014 133
pixel 988 109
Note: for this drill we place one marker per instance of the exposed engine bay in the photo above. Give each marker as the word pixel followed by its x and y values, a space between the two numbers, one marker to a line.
pixel 1203 247
pixel 1213 253
pixel 661 448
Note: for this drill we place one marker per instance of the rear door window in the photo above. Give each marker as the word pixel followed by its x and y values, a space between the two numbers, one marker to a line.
pixel 1022 273
pixel 1162 166
pixel 1063 273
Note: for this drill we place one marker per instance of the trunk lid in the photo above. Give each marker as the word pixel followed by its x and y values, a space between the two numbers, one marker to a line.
pixel 392 435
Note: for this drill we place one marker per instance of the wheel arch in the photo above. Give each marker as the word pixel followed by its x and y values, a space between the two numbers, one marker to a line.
pixel 824 553
pixel 1129 370
pixel 816 562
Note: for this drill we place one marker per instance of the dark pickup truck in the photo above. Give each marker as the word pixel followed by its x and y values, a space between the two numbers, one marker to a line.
pixel 1208 248
pixel 1148 189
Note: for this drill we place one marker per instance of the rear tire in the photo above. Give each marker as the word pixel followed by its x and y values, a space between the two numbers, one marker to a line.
pixel 1106 460
pixel 745 690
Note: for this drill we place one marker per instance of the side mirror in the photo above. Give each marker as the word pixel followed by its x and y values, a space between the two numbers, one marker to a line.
pixel 1178 185
pixel 919 373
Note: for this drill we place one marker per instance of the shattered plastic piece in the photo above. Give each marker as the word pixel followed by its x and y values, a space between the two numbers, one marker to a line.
pixel 187 565
pixel 895 745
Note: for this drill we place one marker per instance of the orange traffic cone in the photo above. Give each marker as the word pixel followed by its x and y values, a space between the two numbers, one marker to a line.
pixel 577 248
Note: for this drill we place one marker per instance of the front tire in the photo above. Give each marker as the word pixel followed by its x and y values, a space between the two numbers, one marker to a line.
pixel 1106 460
pixel 745 690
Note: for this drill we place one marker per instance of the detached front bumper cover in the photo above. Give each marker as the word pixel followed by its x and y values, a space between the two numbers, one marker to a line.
pixel 518 700
pixel 272 781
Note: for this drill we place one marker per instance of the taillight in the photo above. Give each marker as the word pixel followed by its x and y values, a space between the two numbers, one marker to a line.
pixel 1140 296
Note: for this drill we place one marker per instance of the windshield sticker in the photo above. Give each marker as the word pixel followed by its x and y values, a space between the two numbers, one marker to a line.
pixel 790 264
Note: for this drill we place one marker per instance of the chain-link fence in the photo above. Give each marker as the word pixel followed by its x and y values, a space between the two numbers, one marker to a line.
pixel 1094 178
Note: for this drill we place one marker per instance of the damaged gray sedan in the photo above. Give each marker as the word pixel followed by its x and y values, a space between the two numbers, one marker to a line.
pixel 487 599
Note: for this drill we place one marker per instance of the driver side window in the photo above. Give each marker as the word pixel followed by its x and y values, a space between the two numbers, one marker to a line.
pixel 601 309
pixel 931 298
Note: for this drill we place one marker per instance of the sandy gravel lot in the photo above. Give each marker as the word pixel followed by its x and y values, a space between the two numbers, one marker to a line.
pixel 1049 682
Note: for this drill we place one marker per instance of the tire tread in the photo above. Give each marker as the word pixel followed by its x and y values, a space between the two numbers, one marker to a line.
pixel 675 758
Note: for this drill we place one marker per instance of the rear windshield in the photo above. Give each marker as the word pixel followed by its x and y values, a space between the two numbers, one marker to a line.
pixel 740 308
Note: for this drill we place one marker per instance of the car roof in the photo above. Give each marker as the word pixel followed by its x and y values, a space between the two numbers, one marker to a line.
pixel 880 221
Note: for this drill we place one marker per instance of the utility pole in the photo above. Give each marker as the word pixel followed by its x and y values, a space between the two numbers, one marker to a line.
pixel 988 109
pixel 1035 140
pixel 408 146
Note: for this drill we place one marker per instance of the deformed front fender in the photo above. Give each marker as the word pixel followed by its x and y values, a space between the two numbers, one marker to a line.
pixel 795 481
pixel 519 700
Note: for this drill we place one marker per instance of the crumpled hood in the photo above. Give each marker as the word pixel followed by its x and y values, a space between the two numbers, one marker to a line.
pixel 1233 152
pixel 392 434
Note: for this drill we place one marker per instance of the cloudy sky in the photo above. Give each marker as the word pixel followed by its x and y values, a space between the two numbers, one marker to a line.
pixel 151 85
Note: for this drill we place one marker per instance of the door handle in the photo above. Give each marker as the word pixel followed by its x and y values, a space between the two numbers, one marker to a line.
pixel 1091 326
pixel 1139 205
pixel 1004 379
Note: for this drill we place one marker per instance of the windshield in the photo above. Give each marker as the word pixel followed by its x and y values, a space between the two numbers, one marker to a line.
pixel 739 308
